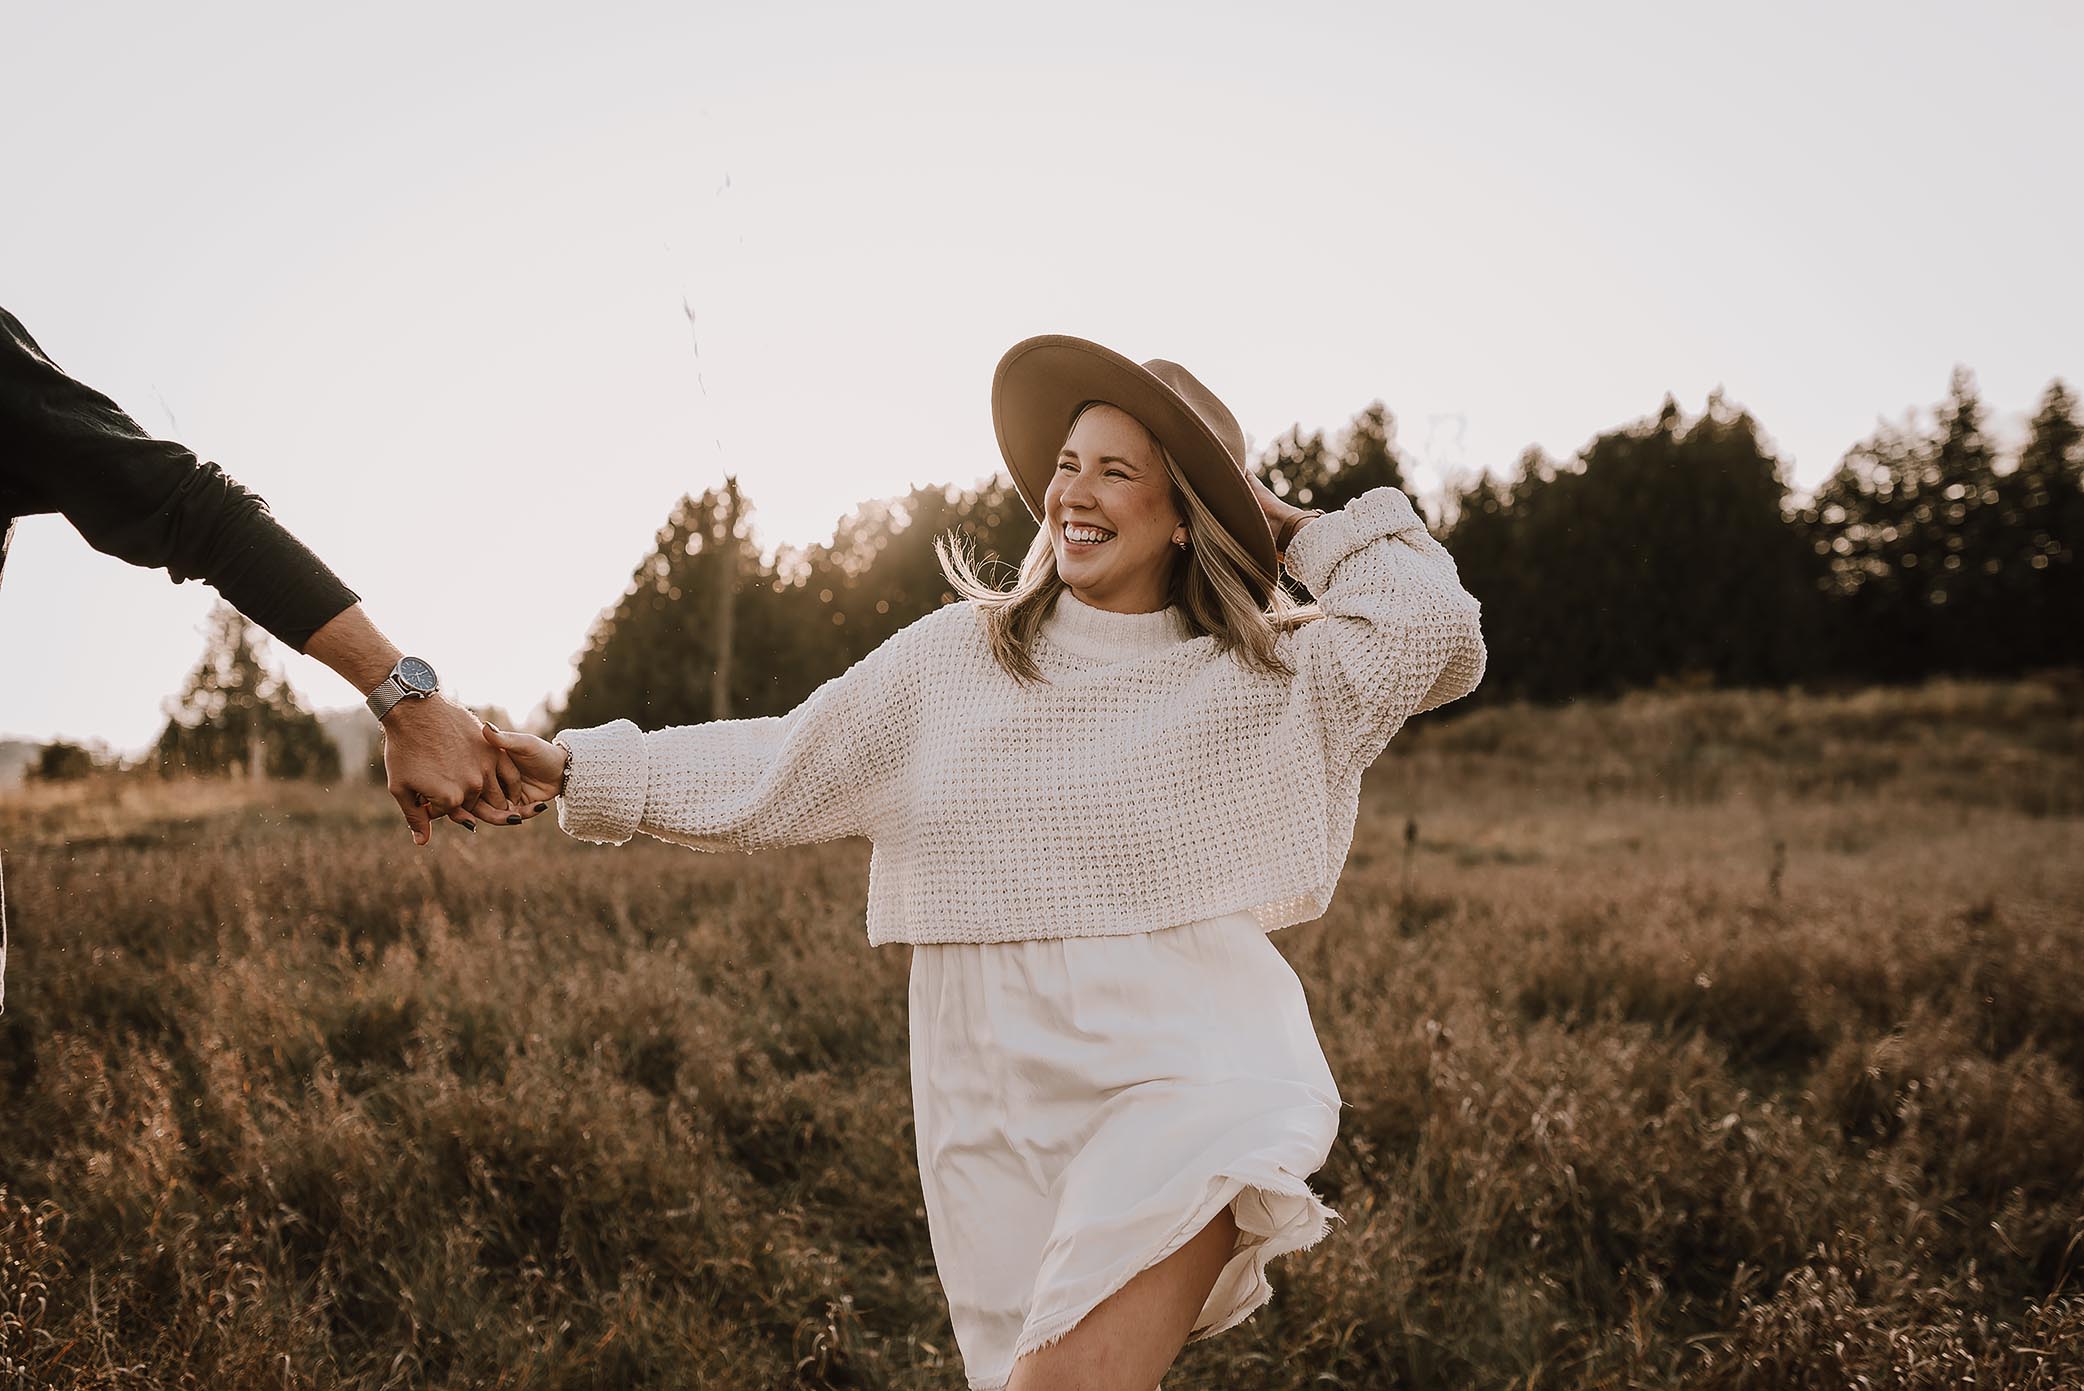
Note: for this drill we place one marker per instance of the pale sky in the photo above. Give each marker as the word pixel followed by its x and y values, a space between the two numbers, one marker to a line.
pixel 415 273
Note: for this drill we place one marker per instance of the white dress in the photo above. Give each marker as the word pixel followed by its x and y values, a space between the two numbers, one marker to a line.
pixel 1084 1106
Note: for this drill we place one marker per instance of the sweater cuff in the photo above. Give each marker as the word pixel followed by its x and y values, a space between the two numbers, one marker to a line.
pixel 603 798
pixel 1321 544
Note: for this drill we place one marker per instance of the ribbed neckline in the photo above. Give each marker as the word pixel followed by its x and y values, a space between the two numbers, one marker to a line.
pixel 1078 627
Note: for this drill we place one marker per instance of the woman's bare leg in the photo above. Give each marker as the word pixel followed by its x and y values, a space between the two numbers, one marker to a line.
pixel 1132 1336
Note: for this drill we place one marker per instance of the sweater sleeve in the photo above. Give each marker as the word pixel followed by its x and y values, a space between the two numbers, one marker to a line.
pixel 816 773
pixel 1400 634
pixel 67 448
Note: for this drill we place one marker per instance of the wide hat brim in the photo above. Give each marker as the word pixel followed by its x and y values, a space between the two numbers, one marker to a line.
pixel 1040 384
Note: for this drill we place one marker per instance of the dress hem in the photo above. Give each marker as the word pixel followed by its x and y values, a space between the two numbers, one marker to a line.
pixel 1304 1229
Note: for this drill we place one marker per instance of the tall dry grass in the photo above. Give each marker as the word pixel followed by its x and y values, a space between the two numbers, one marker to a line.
pixel 1721 1040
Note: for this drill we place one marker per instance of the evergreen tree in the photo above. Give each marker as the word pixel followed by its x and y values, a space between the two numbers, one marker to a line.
pixel 881 563
pixel 1303 470
pixel 799 620
pixel 2041 506
pixel 879 573
pixel 1486 548
pixel 1367 458
pixel 1913 538
pixel 651 658
pixel 1663 553
pixel 1297 467
pixel 1961 525
pixel 1857 521
pixel 234 715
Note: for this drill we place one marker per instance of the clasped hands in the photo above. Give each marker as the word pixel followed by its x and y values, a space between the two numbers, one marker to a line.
pixel 442 761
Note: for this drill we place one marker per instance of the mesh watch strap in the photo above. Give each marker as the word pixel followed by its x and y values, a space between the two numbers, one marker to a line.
pixel 385 696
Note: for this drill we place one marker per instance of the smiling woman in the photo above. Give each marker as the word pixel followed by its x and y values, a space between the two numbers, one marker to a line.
pixel 1091 797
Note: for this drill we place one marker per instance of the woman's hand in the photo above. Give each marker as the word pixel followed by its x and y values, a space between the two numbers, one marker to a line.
pixel 540 764
pixel 1276 511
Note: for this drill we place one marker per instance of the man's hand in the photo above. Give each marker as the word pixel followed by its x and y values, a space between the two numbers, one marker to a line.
pixel 437 763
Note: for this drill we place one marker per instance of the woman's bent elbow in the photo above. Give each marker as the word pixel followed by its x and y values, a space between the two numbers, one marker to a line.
pixel 1463 671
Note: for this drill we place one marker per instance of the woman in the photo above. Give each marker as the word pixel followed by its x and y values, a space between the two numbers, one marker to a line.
pixel 1090 798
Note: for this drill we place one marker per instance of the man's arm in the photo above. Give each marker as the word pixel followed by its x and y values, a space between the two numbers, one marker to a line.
pixel 67 448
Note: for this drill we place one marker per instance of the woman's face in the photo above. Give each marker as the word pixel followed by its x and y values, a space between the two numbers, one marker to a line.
pixel 1111 515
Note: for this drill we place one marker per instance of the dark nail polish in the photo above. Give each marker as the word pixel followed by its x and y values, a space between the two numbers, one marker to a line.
pixel 470 825
pixel 542 806
pixel 513 821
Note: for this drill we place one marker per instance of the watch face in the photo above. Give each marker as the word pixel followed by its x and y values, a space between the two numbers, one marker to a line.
pixel 415 675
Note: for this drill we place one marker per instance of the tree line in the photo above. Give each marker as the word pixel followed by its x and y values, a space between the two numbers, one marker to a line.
pixel 234 716
pixel 1671 550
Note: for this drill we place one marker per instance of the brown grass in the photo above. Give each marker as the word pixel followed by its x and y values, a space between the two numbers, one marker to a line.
pixel 1722 1040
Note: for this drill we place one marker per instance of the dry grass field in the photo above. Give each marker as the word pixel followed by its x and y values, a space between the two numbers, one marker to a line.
pixel 1704 1039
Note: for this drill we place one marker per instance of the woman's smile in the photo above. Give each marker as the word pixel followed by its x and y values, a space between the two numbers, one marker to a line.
pixel 1085 536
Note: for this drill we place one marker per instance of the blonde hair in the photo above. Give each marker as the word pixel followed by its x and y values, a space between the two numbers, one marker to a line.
pixel 1215 582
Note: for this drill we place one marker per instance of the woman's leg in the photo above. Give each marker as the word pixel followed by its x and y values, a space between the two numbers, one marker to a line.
pixel 1132 1336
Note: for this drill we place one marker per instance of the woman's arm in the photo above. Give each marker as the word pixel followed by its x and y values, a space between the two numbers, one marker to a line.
pixel 727 785
pixel 816 773
pixel 1400 634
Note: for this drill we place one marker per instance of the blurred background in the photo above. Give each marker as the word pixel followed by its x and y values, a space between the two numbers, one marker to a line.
pixel 1706 990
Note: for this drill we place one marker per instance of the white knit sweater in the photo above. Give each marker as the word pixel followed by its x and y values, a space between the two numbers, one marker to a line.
pixel 1149 782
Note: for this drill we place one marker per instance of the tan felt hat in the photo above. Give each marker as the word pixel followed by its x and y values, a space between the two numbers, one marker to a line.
pixel 1040 384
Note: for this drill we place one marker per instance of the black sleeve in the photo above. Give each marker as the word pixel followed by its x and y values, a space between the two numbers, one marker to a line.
pixel 66 448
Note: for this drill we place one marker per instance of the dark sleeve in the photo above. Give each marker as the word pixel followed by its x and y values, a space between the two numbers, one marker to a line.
pixel 66 448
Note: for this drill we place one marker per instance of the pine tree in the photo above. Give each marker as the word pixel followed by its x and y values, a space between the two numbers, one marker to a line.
pixel 1367 458
pixel 1488 557
pixel 1305 470
pixel 2041 503
pixel 235 716
pixel 1662 553
pixel 1858 522
pixel 1960 526
pixel 1296 466
pixel 799 619
pixel 1912 535
pixel 653 657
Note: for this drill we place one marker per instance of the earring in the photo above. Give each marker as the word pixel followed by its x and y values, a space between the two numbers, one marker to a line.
pixel 1179 538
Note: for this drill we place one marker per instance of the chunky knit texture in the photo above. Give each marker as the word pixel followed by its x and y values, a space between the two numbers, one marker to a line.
pixel 1149 782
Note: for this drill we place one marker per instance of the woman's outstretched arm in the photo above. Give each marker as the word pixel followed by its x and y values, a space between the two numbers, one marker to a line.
pixel 819 772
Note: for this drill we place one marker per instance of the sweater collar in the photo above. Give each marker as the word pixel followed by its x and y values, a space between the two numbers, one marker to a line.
pixel 1102 635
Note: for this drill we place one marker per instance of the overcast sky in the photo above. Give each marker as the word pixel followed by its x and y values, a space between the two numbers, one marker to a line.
pixel 416 273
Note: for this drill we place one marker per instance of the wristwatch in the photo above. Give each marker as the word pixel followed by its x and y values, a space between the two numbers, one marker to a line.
pixel 411 677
